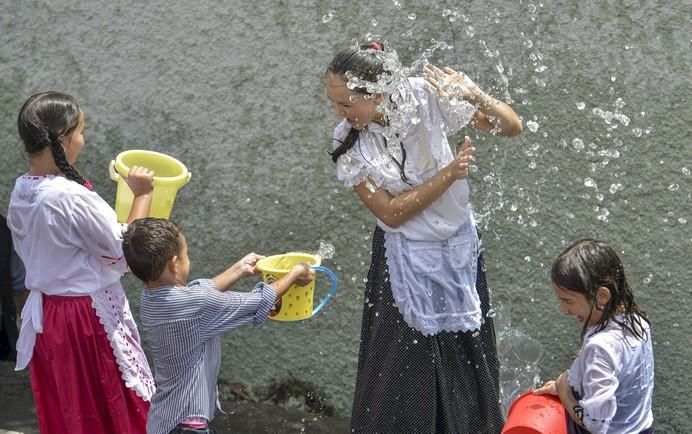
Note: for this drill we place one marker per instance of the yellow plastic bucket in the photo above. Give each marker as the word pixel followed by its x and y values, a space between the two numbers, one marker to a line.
pixel 169 176
pixel 297 303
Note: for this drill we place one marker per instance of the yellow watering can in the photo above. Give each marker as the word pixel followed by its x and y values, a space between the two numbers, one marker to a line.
pixel 169 176
pixel 297 303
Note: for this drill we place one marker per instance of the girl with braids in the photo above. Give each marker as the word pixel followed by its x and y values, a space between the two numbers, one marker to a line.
pixel 427 360
pixel 610 385
pixel 88 371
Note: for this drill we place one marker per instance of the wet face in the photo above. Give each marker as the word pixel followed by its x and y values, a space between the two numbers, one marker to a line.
pixel 73 143
pixel 357 108
pixel 575 304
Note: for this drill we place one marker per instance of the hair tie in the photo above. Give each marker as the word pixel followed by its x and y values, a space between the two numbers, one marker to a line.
pixel 376 46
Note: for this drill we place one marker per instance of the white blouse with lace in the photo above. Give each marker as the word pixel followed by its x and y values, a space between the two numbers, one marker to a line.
pixel 432 256
pixel 613 377
pixel 427 151
pixel 71 244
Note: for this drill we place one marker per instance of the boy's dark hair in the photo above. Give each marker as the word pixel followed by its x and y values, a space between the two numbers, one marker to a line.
pixel 43 120
pixel 148 245
pixel 587 265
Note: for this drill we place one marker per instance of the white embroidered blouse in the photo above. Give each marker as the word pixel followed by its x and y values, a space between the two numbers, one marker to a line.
pixel 71 244
pixel 427 151
pixel 432 256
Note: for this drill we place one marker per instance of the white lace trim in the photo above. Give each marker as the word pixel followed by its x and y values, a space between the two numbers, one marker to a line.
pixel 114 314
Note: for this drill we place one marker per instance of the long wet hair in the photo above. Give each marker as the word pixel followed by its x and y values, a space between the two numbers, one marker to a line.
pixel 589 264
pixel 46 118
pixel 363 63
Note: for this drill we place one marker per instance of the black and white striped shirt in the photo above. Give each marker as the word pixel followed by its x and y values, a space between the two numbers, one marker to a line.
pixel 182 327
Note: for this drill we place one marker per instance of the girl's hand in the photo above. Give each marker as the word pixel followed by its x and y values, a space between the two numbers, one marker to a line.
pixel 140 180
pixel 247 266
pixel 459 167
pixel 451 83
pixel 305 274
pixel 548 388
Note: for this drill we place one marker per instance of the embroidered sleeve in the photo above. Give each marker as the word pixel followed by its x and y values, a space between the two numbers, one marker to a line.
pixel 224 311
pixel 599 383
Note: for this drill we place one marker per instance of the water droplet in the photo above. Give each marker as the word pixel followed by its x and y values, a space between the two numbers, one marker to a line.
pixel 374 22
pixel 532 126
pixel 411 16
pixel 673 187
pixel 686 171
pixel 581 105
pixel 326 250
pixel 578 144
pixel 589 182
pixel 614 188
pixel 415 341
pixel 475 335
pixel 603 214
pixel 491 313
pixel 328 17
pixel 527 258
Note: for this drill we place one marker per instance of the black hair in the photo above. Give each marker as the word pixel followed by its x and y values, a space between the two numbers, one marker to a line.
pixel 46 118
pixel 148 244
pixel 587 265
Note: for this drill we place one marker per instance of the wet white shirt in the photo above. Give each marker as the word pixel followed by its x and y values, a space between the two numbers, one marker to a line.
pixel 427 151
pixel 614 377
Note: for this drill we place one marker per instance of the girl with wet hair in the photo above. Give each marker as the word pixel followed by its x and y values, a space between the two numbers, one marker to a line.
pixel 609 387
pixel 428 360
pixel 88 371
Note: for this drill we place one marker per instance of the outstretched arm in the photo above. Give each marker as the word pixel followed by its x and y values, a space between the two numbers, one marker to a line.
pixel 396 210
pixel 245 267
pixel 492 115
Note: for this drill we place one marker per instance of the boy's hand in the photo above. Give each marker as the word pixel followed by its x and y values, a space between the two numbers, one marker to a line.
pixel 305 274
pixel 140 180
pixel 247 266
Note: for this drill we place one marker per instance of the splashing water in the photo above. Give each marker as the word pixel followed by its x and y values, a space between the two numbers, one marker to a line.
pixel 326 250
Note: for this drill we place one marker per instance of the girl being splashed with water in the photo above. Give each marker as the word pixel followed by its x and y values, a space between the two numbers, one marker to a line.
pixel 610 385
pixel 428 360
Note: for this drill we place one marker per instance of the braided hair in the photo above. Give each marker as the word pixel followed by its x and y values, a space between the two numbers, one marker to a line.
pixel 363 63
pixel 587 265
pixel 43 120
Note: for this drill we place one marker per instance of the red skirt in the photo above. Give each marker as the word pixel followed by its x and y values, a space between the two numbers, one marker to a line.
pixel 74 376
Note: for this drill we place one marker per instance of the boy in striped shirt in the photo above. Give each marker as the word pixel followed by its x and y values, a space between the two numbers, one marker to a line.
pixel 182 322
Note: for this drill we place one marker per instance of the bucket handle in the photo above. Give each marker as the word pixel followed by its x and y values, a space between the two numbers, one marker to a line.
pixel 332 290
pixel 111 169
pixel 115 176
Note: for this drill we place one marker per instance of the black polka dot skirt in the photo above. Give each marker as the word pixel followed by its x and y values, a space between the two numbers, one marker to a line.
pixel 410 383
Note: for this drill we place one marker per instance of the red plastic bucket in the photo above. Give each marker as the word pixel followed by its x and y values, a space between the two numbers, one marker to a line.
pixel 536 414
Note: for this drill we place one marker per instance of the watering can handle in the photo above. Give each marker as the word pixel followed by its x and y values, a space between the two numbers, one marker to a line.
pixel 332 290
pixel 111 169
